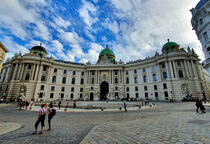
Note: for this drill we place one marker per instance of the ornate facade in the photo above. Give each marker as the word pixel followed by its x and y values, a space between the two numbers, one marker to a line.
pixel 165 76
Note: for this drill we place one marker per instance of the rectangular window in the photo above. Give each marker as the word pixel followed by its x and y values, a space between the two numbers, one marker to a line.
pixel 116 80
pixel 164 86
pixel 146 95
pixel 52 88
pixel 127 80
pixel 153 68
pixel 156 95
pixel 205 35
pixel 127 88
pixel 72 96
pixel 137 95
pixel 136 88
pixel 29 66
pixel 145 88
pixel 144 70
pixel 62 95
pixel 51 95
pixel 155 87
pixel 163 65
pixel 154 77
pixel 72 89
pixel 135 79
pixel 74 73
pixel 178 63
pixel 116 88
pixel 115 72
pixel 93 73
pixel 92 80
pixel 55 70
pixel 82 73
pixel 82 81
pixel 145 78
pixel 81 89
pixel 45 68
pixel 63 89
pixel 42 87
pixel 135 71
pixel 40 95
pixel 73 81
pixel 64 71
pixel 126 72
pixel 80 96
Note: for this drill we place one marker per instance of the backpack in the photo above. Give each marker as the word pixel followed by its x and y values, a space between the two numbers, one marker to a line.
pixel 53 111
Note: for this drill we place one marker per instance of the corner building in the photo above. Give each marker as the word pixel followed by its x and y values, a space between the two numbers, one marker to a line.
pixel 164 76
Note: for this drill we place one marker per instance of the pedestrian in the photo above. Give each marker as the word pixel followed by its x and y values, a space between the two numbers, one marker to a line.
pixel 51 114
pixel 59 105
pixel 46 106
pixel 27 104
pixel 74 104
pixel 41 118
pixel 198 104
pixel 125 106
pixel 31 103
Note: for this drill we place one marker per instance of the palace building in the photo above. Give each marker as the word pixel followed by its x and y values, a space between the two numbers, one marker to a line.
pixel 166 76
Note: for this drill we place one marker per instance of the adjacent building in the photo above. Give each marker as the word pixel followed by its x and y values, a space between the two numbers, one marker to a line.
pixel 3 51
pixel 166 76
pixel 201 24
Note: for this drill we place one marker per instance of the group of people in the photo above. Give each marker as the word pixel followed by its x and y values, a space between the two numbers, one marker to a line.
pixel 23 104
pixel 42 114
pixel 200 106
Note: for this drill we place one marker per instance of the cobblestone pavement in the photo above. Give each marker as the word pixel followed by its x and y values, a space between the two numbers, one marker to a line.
pixel 176 124
pixel 166 123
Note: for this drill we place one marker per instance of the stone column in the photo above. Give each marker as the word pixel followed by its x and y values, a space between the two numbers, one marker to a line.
pixel 40 72
pixel 194 68
pixel 171 69
pixel 49 73
pixel 14 73
pixel 2 74
pixel 168 71
pixel 98 77
pixel 158 73
pixel 32 73
pixel 36 73
pixel 19 70
pixel 175 71
pixel 184 72
pixel 22 72
pixel 189 68
pixel 186 68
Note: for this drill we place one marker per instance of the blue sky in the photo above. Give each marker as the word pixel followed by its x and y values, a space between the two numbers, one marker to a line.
pixel 77 30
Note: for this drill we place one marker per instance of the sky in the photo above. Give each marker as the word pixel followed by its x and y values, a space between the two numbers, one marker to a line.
pixel 77 30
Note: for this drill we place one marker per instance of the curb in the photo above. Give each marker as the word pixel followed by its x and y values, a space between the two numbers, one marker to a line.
pixel 6 127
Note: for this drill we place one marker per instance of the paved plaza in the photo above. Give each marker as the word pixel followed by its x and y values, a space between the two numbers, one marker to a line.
pixel 165 123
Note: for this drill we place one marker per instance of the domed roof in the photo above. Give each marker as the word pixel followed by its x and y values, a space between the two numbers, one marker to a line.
pixel 107 51
pixel 200 4
pixel 168 44
pixel 39 48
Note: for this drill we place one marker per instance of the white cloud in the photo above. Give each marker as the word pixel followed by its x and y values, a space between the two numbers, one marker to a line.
pixel 148 25
pixel 59 22
pixel 70 37
pixel 88 12
pixel 16 17
pixel 112 26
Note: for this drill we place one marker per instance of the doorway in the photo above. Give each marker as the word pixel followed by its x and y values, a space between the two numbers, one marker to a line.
pixel 104 90
pixel 91 97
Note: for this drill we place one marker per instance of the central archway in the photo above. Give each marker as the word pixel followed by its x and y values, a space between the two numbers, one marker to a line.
pixel 104 90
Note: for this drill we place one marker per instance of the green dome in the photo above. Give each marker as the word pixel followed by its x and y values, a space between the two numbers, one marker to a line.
pixel 169 44
pixel 107 52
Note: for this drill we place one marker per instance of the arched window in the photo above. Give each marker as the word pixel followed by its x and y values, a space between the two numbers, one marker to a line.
pixel 180 74
pixel 127 80
pixel 27 76
pixel 164 75
pixel 82 81
pixel 54 79
pixel 64 80
pixel 154 77
pixel 116 80
pixel 43 77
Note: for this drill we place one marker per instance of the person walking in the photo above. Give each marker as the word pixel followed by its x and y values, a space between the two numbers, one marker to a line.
pixel 31 103
pixel 125 106
pixel 197 104
pixel 41 118
pixel 59 105
pixel 51 114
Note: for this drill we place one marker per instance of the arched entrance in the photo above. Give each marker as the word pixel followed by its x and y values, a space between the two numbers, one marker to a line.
pixel 104 90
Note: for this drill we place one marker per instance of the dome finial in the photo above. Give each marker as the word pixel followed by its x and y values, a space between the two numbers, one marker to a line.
pixel 40 44
pixel 107 46
pixel 168 40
